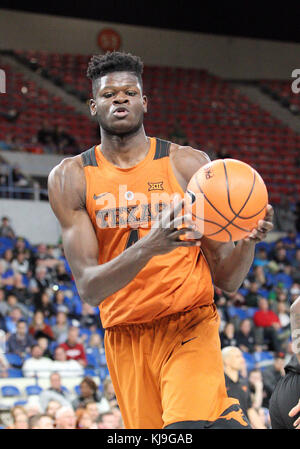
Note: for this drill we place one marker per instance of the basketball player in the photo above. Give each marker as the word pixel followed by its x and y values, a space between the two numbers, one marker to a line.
pixel 154 290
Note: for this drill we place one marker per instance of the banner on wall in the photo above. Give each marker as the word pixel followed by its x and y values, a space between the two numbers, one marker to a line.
pixel 109 40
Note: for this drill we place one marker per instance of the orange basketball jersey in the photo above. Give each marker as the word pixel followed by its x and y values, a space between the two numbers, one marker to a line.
pixel 122 203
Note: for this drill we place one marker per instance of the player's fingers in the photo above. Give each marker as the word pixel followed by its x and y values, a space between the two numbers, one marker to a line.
pixel 264 226
pixel 187 243
pixel 183 219
pixel 270 213
pixel 177 233
pixel 295 409
pixel 176 206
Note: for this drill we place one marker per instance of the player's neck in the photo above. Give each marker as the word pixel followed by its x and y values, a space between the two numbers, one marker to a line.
pixel 232 374
pixel 125 151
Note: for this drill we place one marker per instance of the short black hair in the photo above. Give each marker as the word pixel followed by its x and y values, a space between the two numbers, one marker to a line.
pixel 101 65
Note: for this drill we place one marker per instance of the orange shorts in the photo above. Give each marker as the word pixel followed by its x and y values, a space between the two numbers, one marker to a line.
pixel 169 370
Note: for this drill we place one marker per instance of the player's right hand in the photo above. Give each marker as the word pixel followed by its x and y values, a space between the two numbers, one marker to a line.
pixel 165 234
pixel 294 411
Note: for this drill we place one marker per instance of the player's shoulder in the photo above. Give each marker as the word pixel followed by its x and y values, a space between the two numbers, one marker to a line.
pixel 186 160
pixel 67 166
pixel 67 179
pixel 186 152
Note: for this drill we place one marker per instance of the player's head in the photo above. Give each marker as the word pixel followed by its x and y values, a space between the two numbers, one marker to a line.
pixel 118 103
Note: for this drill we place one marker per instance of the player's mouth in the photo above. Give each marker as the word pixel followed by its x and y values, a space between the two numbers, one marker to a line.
pixel 121 112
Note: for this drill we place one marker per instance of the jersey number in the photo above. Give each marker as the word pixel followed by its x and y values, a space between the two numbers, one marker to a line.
pixel 132 238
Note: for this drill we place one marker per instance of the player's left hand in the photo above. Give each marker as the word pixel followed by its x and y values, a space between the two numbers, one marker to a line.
pixel 263 227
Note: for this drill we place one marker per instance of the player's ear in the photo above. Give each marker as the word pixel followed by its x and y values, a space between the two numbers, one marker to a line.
pixel 145 103
pixel 93 107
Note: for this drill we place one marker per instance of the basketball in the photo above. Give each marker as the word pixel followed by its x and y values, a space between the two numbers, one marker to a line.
pixel 229 197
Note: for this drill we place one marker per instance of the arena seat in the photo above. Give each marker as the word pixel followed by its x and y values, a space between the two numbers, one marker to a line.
pixel 14 359
pixel 33 390
pixel 10 390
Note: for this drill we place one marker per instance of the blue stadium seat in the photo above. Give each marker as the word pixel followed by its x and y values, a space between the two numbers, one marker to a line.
pixel 14 372
pixel 10 390
pixel 250 361
pixel 102 359
pixel 33 389
pixel 89 372
pixel 20 403
pixel 100 388
pixel 91 360
pixel 14 359
pixel 263 359
pixel 103 373
pixel 237 311
pixel 251 311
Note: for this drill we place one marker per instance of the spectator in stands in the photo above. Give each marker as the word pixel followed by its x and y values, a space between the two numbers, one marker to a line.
pixel 38 327
pixel 43 343
pixel 59 302
pixel 20 421
pixel 45 134
pixel 259 416
pixel 40 281
pixel 73 348
pixel 61 327
pixel 43 304
pixel 21 342
pixel 267 325
pixel 52 408
pixel 8 258
pixel 6 230
pixel 88 318
pixel 272 374
pixel 65 418
pixel 108 420
pixel 261 258
pixel 227 336
pixel 61 274
pixel 54 393
pixel 20 263
pixel 37 365
pixel 89 392
pixel 20 290
pixel 294 292
pixel 84 420
pixel 245 336
pixel 13 303
pixel 109 392
pixel 237 387
pixel 4 308
pixel 45 422
pixel 95 408
pixel 12 319
pixel 66 367
pixel 251 298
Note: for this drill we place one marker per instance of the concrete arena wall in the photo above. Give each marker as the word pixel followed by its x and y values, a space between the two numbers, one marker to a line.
pixel 228 57
pixel 33 220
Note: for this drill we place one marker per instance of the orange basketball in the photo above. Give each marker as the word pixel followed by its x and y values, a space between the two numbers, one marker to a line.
pixel 228 199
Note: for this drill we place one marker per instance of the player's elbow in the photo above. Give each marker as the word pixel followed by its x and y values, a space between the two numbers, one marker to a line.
pixel 87 293
pixel 226 286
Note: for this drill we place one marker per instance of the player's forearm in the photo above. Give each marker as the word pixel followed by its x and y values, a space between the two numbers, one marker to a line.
pixel 99 282
pixel 232 270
